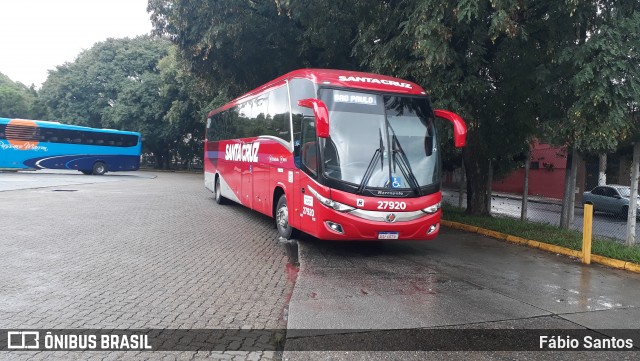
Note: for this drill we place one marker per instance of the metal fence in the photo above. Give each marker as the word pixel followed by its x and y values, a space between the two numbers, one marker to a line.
pixel 546 188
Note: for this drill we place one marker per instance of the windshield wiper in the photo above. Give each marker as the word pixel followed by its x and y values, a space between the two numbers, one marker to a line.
pixel 369 172
pixel 403 163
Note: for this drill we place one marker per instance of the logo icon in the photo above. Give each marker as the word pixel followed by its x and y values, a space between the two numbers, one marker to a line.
pixel 360 202
pixel 390 218
pixel 23 339
pixel 396 182
pixel 22 134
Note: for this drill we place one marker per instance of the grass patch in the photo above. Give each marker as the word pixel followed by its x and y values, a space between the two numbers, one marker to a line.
pixel 544 233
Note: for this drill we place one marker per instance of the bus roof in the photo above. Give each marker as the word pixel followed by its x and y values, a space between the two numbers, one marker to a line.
pixel 339 78
pixel 52 124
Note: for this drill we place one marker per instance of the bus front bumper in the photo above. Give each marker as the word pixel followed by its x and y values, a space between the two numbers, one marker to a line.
pixel 345 227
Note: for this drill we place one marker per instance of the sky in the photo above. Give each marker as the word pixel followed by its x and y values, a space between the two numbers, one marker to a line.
pixel 38 35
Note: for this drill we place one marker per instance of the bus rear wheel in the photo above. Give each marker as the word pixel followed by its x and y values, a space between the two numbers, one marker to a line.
pixel 282 219
pixel 99 168
pixel 218 193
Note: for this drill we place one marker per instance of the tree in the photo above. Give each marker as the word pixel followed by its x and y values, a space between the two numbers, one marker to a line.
pixel 13 103
pixel 81 92
pixel 592 88
pixel 512 69
pixel 236 45
pixel 479 58
pixel 226 43
pixel 18 101
pixel 167 107
pixel 132 84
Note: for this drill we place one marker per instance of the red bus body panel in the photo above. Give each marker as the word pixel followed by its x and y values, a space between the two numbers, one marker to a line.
pixel 256 177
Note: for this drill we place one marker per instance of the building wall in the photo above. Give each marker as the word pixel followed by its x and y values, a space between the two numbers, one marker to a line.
pixel 542 182
pixel 546 174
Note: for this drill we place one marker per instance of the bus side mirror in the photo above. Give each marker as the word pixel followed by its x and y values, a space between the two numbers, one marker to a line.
pixel 459 127
pixel 321 113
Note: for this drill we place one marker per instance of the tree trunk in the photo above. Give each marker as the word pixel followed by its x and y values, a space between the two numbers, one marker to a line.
pixel 525 187
pixel 158 158
pixel 461 185
pixel 489 184
pixel 602 170
pixel 476 164
pixel 564 214
pixel 631 217
pixel 572 195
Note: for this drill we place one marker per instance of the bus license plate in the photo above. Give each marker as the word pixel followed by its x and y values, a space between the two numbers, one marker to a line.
pixel 388 235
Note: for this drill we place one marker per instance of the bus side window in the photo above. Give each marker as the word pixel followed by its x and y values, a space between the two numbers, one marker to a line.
pixel 308 151
pixel 277 117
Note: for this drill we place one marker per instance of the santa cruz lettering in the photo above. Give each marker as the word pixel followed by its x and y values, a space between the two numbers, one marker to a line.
pixel 361 79
pixel 242 152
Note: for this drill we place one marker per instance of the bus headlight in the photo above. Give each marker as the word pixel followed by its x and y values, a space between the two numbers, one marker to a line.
pixel 433 209
pixel 330 203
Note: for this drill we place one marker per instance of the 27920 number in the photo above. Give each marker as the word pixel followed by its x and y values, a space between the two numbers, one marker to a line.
pixel 392 205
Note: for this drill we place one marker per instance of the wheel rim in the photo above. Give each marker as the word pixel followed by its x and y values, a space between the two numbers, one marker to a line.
pixel 283 218
pixel 99 168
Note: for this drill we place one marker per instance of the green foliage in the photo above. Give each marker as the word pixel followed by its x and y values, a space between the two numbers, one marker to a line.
pixel 18 101
pixel 561 70
pixel 132 84
pixel 13 103
pixel 593 83
pixel 228 43
pixel 82 91
pixel 236 45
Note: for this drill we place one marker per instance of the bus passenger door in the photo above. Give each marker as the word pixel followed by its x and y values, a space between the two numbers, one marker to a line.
pixel 309 171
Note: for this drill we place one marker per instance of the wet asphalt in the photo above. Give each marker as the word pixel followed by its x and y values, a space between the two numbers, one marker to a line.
pixel 346 293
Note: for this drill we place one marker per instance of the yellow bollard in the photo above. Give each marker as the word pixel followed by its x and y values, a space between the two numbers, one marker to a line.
pixel 587 228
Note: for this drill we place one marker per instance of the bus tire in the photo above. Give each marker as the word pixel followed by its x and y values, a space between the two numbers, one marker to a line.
pixel 282 219
pixel 218 193
pixel 99 168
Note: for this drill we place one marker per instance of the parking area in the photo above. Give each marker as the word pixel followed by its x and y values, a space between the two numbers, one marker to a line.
pixel 145 250
pixel 136 250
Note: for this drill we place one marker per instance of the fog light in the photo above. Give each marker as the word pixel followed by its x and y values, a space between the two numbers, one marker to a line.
pixel 334 227
pixel 433 228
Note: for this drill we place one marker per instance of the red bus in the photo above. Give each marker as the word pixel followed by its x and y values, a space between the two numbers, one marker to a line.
pixel 339 155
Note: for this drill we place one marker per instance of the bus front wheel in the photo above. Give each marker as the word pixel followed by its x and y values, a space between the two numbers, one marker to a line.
pixel 99 168
pixel 282 219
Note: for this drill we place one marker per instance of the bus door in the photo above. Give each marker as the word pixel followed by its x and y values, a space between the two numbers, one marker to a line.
pixel 309 161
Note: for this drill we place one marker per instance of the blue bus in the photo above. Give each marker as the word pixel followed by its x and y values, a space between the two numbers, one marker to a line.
pixel 35 144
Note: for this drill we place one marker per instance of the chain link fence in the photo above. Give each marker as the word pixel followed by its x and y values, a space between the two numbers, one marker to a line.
pixel 546 179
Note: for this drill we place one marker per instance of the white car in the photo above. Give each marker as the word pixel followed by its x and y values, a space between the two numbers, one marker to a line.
pixel 610 199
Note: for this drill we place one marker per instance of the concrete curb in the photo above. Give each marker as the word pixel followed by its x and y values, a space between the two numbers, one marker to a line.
pixel 611 262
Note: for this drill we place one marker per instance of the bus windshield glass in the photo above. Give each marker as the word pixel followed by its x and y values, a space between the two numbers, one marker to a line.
pixel 380 141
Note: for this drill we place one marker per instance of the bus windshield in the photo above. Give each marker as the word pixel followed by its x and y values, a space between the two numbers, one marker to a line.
pixel 380 141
